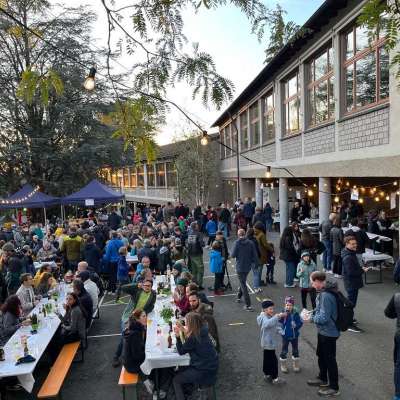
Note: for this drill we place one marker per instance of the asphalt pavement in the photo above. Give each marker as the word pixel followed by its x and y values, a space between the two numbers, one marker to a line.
pixel 364 359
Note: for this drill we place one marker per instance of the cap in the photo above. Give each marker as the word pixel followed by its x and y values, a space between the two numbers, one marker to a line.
pixel 289 300
pixel 267 303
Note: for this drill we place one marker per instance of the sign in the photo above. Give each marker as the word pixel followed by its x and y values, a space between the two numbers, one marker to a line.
pixel 298 195
pixel 89 202
pixel 392 200
pixel 354 194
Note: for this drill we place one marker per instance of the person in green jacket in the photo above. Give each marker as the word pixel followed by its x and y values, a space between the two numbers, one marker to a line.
pixel 305 268
pixel 141 297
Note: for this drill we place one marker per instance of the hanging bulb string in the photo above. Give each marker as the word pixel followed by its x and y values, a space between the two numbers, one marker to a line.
pixel 22 199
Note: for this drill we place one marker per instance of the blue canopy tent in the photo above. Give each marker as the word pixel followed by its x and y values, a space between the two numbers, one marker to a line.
pixel 93 194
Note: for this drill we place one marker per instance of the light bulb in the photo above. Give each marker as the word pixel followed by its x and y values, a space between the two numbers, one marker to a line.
pixel 361 200
pixel 336 199
pixel 204 139
pixel 268 172
pixel 310 193
pixel 89 83
pixel 377 199
pixel 387 198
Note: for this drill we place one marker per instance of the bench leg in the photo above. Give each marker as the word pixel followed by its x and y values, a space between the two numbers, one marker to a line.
pixel 123 392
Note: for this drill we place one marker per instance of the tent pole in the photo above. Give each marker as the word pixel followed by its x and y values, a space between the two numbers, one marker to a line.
pixel 45 219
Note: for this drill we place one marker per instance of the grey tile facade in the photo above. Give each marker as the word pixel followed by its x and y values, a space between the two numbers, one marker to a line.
pixel 263 154
pixel 291 148
pixel 319 141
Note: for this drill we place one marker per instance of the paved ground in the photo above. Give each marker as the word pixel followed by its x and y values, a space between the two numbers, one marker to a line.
pixel 365 360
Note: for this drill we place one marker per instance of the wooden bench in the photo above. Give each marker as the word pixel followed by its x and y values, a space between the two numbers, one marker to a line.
pixel 128 379
pixel 55 379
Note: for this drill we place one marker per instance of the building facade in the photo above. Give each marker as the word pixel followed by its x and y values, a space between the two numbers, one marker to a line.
pixel 323 111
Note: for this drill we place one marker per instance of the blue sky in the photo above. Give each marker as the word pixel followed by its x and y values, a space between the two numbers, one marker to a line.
pixel 225 33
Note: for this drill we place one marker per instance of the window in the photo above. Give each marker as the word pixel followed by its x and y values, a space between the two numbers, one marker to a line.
pixel 244 131
pixel 366 69
pixel 222 140
pixel 160 175
pixel 133 177
pixel 151 176
pixel 126 177
pixel 269 121
pixel 171 174
pixel 320 88
pixel 114 179
pixel 228 143
pixel 140 175
pixel 234 138
pixel 292 104
pixel 254 124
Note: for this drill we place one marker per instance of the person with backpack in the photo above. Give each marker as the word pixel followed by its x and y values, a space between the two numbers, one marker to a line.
pixel 325 317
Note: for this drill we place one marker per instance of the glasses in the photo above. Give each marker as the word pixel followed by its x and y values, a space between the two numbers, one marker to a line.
pixel 146 285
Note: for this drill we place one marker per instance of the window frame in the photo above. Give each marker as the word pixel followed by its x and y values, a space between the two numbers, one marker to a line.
pixel 160 173
pixel 169 172
pixel 288 99
pixel 253 122
pixel 267 113
pixel 244 114
pixel 133 174
pixel 374 48
pixel 140 174
pixel 151 175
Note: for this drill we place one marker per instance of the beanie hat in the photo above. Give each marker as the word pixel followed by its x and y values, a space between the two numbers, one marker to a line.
pixel 267 303
pixel 182 282
pixel 289 300
pixel 177 266
pixel 305 253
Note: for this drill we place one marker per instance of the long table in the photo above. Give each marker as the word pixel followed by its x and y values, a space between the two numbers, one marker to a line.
pixel 377 259
pixel 37 344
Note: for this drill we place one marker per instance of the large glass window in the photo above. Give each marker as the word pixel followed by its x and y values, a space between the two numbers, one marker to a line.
pixel 254 124
pixel 160 175
pixel 320 88
pixel 171 174
pixel 126 177
pixel 133 177
pixel 222 147
pixel 292 104
pixel 140 175
pixel 151 176
pixel 244 131
pixel 114 179
pixel 269 119
pixel 366 69
pixel 228 140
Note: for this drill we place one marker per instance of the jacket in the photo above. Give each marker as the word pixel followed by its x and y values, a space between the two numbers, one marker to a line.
pixel 325 229
pixel 194 244
pixel 74 322
pixel 245 253
pixel 291 325
pixel 336 237
pixel 361 237
pixel 8 326
pixel 112 248
pixel 271 331
pixel 114 221
pixel 134 291
pixel 392 310
pixel 287 249
pixel 164 259
pixel 27 298
pixel 216 262
pixel 325 313
pixel 203 356
pixel 248 210
pixel 134 345
pixel 123 269
pixel 225 216
pixel 263 246
pixel 259 217
pixel 93 291
pixel 303 273
pixel 92 255
pixel 151 253
pixel 351 270
pixel 72 247
pixel 206 313
pixel 87 306
pixel 211 228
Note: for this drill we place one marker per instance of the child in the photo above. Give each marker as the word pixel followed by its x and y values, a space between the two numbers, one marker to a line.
pixel 304 270
pixel 123 271
pixel 270 332
pixel 216 267
pixel 270 266
pixel 224 252
pixel 291 324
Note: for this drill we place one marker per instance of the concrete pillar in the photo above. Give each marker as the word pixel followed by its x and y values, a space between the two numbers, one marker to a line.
pixel 259 193
pixel 283 203
pixel 325 198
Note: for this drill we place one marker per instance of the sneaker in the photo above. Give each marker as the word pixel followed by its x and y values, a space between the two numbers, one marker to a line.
pixel 317 382
pixel 248 308
pixel 162 394
pixel 278 381
pixel 259 290
pixel 355 329
pixel 296 280
pixel 149 385
pixel 116 362
pixel 290 286
pixel 338 276
pixel 328 392
pixel 238 300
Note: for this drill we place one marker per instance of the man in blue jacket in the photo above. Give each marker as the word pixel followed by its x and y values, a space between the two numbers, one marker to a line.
pixel 248 211
pixel 324 317
pixel 246 255
pixel 111 257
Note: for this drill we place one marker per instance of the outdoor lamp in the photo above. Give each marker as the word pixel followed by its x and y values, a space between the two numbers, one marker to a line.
pixel 310 193
pixel 204 139
pixel 89 83
pixel 268 172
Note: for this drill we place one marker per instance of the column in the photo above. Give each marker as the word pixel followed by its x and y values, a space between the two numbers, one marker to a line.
pixel 145 179
pixel 259 193
pixel 283 203
pixel 325 198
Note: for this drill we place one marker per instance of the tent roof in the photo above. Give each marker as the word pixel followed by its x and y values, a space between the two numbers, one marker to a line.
pixel 37 200
pixel 93 190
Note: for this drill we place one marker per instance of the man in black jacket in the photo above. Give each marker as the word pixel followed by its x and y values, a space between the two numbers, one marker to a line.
pixel 352 273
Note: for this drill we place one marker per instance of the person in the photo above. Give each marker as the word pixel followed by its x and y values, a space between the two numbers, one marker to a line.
pixel 336 238
pixel 85 301
pixel 93 277
pixel 90 287
pixel 325 229
pixel 111 257
pixel 193 288
pixel 92 254
pixel 26 294
pixel 352 274
pixel 148 251
pixel 216 267
pixel 289 246
pixel 180 298
pixel 258 216
pixel 264 248
pixel 223 249
pixel 248 212
pixel 240 220
pixel 203 355
pixel 304 270
pixel 45 284
pixel 356 230
pixel 144 265
pixel 291 325
pixel 42 270
pixel 271 260
pixel 164 256
pixel 47 252
pixel 324 317
pixel 142 297
pixel 392 311
pixel 224 220
pixel 114 220
pixel 72 247
pixel 206 312
pixel 246 255
pixel 122 272
pixel 268 212
pixel 11 318
pixel 211 228
pixel 178 251
pixel 295 212
pixel 13 266
pixel 257 266
pixel 309 243
pixel 271 330
pixel 195 254
pixel 314 213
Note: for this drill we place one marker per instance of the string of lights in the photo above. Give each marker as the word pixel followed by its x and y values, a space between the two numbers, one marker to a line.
pixel 21 199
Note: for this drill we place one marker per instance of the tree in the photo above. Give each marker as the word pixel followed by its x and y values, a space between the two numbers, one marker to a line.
pixel 51 131
pixel 197 170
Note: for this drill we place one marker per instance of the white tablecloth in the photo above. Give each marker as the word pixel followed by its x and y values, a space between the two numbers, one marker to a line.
pixel 310 221
pixel 373 236
pixel 37 345
pixel 370 256
pixel 157 353
pixel 38 264
pixel 132 259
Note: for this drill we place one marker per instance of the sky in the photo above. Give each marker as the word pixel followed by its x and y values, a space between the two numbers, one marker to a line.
pixel 224 33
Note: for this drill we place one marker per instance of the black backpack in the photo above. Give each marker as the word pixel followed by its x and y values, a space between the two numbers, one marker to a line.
pixel 345 311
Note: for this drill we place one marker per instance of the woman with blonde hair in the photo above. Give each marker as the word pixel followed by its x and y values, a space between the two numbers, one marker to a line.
pixel 203 355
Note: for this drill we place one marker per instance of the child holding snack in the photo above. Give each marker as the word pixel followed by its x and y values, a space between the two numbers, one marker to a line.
pixel 270 335
pixel 305 268
pixel 291 324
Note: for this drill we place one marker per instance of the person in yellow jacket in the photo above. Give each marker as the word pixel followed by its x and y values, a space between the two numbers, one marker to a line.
pixel 72 247
pixel 45 268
